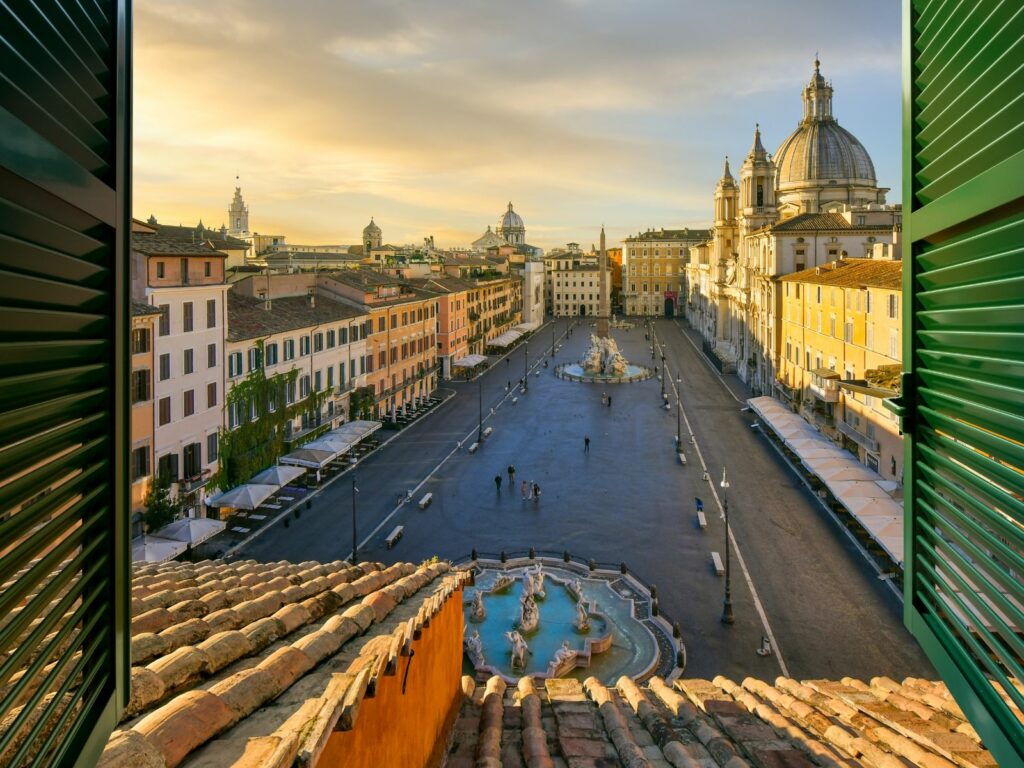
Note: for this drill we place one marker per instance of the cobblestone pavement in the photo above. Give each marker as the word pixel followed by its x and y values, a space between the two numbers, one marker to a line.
pixel 628 499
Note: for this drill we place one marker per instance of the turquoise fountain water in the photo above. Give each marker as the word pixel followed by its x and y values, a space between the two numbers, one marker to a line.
pixel 633 650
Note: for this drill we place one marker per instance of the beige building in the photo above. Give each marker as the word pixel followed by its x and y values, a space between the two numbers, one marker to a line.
pixel 185 282
pixel 841 332
pixel 572 282
pixel 279 323
pixel 653 270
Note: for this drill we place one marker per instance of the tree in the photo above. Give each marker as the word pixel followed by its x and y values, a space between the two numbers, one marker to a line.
pixel 360 403
pixel 161 508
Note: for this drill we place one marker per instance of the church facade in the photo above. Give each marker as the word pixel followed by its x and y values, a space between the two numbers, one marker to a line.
pixel 814 201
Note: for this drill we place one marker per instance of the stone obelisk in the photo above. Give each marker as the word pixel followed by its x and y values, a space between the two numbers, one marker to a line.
pixel 603 309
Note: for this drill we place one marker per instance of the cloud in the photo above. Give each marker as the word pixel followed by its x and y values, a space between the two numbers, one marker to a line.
pixel 431 115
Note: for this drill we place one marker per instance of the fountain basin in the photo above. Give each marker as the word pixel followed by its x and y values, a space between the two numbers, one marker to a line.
pixel 576 372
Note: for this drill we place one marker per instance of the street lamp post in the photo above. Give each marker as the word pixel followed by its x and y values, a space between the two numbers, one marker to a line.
pixel 480 428
pixel 355 490
pixel 727 617
pixel 664 372
pixel 526 362
pixel 552 340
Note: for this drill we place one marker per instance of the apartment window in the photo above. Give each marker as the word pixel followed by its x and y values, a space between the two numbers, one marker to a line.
pixel 160 270
pixel 289 349
pixel 211 394
pixel 271 352
pixel 394 321
pixel 183 268
pixel 290 394
pixel 789 351
pixel 330 377
pixel 832 326
pixel 207 268
pixel 211 355
pixel 382 359
pixel 167 468
pixel 254 359
pixel 317 381
pixel 819 294
pixel 165 319
pixel 140 341
pixel 211 311
pixel 192 457
pixel 212 447
pixel 303 346
pixel 234 364
pixel 365 364
pixel 188 399
pixel 140 386
pixel 343 335
pixel 318 342
pixel 848 332
pixel 186 317
pixel 188 364
pixel 807 366
pixel 861 219
pixel 140 463
pixel 165 366
pixel 394 355
pixel 849 373
pixel 894 344
pixel 304 386
pixel 894 306
pixel 381 324
pixel 405 318
pixel 165 410
pixel 868 300
pixel 330 339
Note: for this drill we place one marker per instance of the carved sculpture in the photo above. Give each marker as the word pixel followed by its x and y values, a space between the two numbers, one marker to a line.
pixel 527 586
pixel 501 582
pixel 582 617
pixel 478 612
pixel 604 357
pixel 475 649
pixel 537 577
pixel 519 649
pixel 529 614
pixel 576 587
pixel 563 661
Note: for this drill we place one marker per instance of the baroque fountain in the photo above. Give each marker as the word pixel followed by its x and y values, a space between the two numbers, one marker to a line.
pixel 549 622
pixel 603 363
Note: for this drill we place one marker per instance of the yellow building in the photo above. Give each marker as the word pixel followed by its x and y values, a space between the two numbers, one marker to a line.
pixel 143 322
pixel 653 264
pixel 841 355
pixel 495 305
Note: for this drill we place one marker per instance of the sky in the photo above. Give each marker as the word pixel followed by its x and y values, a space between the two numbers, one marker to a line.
pixel 431 115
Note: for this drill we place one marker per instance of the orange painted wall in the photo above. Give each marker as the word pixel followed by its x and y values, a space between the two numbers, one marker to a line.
pixel 409 730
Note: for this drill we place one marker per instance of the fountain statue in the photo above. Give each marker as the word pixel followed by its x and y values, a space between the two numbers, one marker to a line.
pixel 563 661
pixel 475 649
pixel 529 614
pixel 527 585
pixel 519 649
pixel 478 612
pixel 537 577
pixel 604 357
pixel 582 617
pixel 576 587
pixel 502 581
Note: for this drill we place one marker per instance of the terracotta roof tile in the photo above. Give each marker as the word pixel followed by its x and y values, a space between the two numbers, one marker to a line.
pixel 852 273
pixel 248 318
pixel 811 222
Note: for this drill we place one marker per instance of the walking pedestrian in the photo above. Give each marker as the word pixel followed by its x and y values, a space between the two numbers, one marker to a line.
pixel 536 493
pixel 609 401
pixel 524 489
pixel 511 475
pixel 497 483
pixel 529 489
pixel 586 444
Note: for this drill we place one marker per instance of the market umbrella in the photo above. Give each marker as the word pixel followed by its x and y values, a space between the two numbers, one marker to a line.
pixel 154 549
pixel 278 475
pixel 192 530
pixel 248 496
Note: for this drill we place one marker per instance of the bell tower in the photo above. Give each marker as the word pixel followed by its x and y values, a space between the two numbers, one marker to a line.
pixel 757 188
pixel 238 215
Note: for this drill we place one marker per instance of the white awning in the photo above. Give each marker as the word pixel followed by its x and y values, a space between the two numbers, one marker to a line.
pixel 860 490
pixel 308 457
pixel 248 496
pixel 508 337
pixel 278 475
pixel 469 361
pixel 192 530
pixel 527 327
pixel 155 549
pixel 345 437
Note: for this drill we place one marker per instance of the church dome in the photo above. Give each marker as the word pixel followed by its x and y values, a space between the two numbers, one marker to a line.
pixel 371 228
pixel 510 220
pixel 820 150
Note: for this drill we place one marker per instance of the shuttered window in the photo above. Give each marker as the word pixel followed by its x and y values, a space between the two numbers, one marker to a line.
pixel 962 404
pixel 64 378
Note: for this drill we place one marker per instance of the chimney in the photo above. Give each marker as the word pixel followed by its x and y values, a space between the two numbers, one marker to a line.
pixel 312 298
pixel 266 300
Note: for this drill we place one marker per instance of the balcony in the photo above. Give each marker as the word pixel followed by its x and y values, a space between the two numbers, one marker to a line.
pixel 865 442
pixel 825 385
pixel 823 418
pixel 188 485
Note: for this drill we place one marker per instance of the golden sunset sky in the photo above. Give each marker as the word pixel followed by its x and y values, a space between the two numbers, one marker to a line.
pixel 431 116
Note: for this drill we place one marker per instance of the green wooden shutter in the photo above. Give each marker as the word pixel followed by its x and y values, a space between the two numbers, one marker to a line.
pixel 963 395
pixel 64 228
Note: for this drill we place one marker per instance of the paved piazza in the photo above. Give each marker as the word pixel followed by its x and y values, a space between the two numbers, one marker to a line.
pixel 629 500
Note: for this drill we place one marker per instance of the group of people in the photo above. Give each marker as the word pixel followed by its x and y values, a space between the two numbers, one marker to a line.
pixel 530 491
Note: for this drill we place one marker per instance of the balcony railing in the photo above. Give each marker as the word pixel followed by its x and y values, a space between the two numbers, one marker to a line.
pixel 825 385
pixel 858 437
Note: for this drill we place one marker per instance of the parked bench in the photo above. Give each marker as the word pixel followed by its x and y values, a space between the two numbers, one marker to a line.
pixel 487 431
pixel 270 506
pixel 716 561
pixel 702 521
pixel 240 529
pixel 394 536
pixel 425 501
pixel 682 458
pixel 473 447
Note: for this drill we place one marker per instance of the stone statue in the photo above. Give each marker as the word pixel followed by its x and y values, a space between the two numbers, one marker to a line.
pixel 475 649
pixel 529 614
pixel 478 612
pixel 563 660
pixel 527 585
pixel 730 272
pixel 537 576
pixel 576 587
pixel 519 649
pixel 582 617
pixel 501 582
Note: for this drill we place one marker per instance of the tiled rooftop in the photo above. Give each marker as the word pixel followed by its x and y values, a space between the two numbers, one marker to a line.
pixel 811 222
pixel 159 244
pixel 249 319
pixel 250 664
pixel 689 235
pixel 563 723
pixel 852 273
